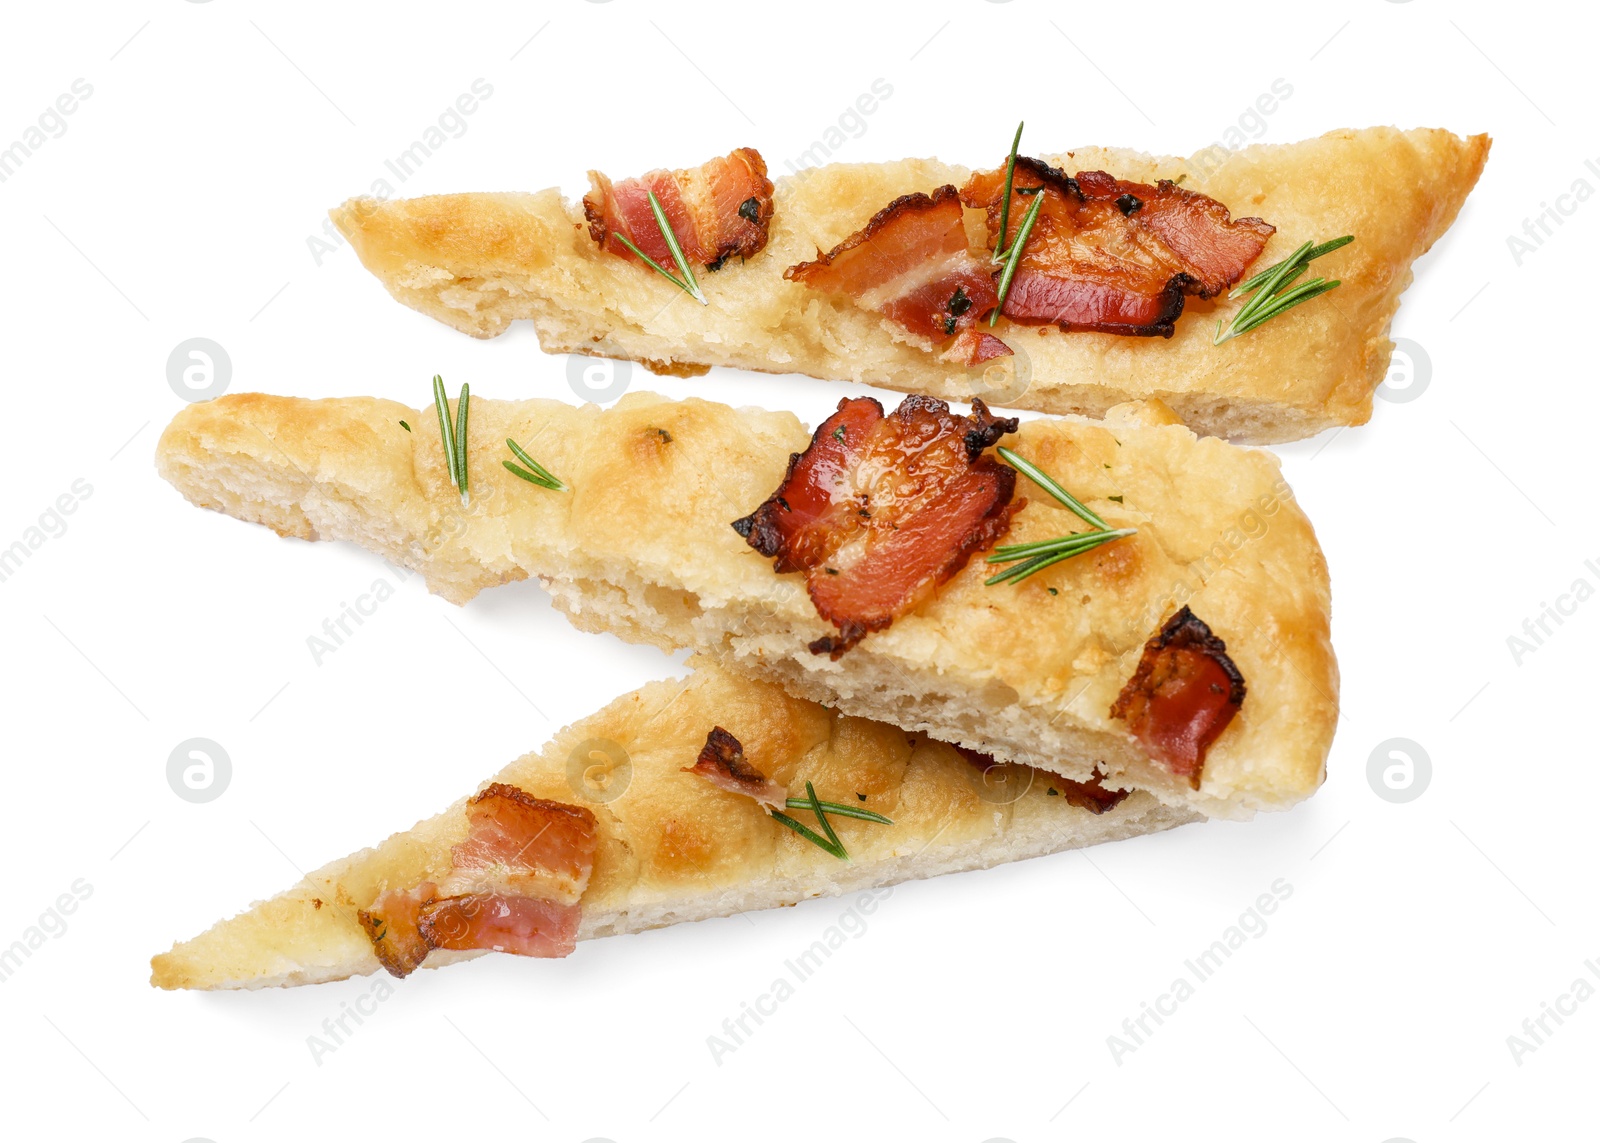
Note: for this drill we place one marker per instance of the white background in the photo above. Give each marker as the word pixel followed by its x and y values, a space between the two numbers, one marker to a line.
pixel 178 203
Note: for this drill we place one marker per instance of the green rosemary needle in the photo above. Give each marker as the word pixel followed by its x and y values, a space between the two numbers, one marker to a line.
pixel 1012 254
pixel 1045 481
pixel 1273 291
pixel 1015 256
pixel 1042 560
pixel 455 442
pixel 1005 203
pixel 821 810
pixel 535 473
pixel 822 817
pixel 810 835
pixel 1250 284
pixel 840 810
pixel 461 441
pixel 1036 555
pixel 688 283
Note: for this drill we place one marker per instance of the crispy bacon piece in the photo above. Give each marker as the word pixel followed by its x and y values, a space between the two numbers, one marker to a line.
pixel 717 210
pixel 881 510
pixel 1183 695
pixel 391 926
pixel 722 763
pixel 514 885
pixel 1114 256
pixel 1213 249
pixel 524 845
pixel 524 926
pixel 912 264
pixel 1091 795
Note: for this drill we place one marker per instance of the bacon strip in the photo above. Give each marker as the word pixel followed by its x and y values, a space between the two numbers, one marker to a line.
pixel 881 510
pixel 514 885
pixel 912 264
pixel 1213 249
pixel 524 844
pixel 722 763
pixel 524 926
pixel 1183 695
pixel 719 209
pixel 1114 256
pixel 1091 795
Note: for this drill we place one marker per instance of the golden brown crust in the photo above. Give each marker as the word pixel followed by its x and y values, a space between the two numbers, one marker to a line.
pixel 479 261
pixel 642 547
pixel 672 846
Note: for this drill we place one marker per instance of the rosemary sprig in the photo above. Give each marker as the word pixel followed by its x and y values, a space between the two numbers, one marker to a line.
pixel 840 810
pixel 1005 203
pixel 1250 284
pixel 822 809
pixel 1042 560
pixel 1036 555
pixel 1047 482
pixel 535 473
pixel 1015 256
pixel 1012 254
pixel 688 283
pixel 822 818
pixel 461 441
pixel 455 443
pixel 1273 290
pixel 810 835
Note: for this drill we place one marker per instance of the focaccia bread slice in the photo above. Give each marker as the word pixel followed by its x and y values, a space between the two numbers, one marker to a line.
pixel 480 261
pixel 673 847
pixel 641 546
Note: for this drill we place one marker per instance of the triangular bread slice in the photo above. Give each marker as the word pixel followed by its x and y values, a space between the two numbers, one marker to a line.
pixel 672 846
pixel 642 547
pixel 480 261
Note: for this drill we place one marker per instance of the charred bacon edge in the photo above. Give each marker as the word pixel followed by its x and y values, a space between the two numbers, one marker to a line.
pixel 1183 631
pixel 528 801
pixel 761 529
pixel 1187 631
pixel 986 432
pixel 752 242
pixel 724 754
pixel 594 213
pixel 1050 176
pixel 1172 295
